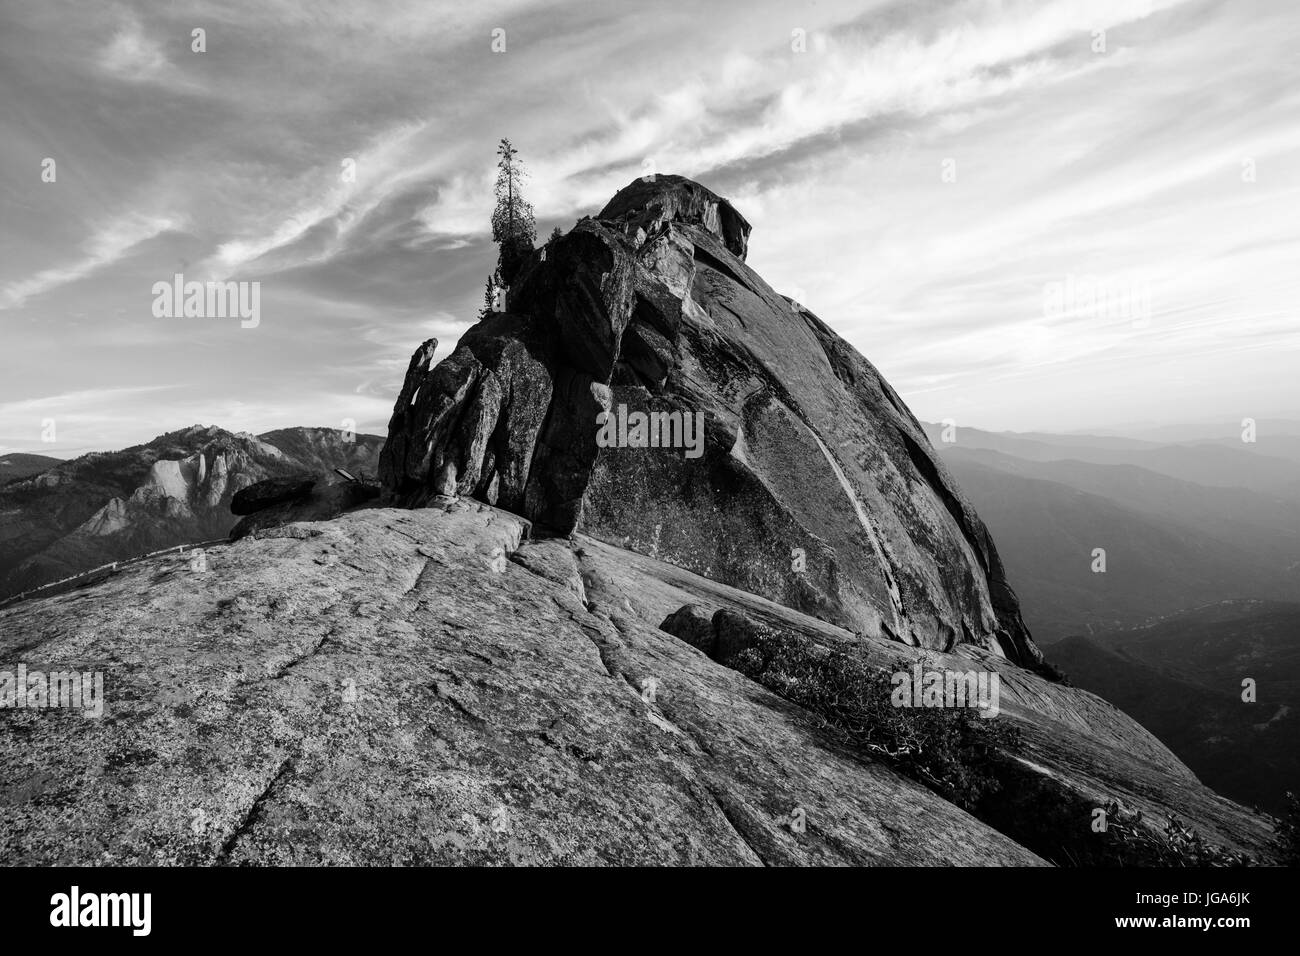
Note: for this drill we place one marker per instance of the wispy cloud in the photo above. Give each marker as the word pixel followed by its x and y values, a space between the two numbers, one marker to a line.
pixel 109 243
pixel 134 56
pixel 339 195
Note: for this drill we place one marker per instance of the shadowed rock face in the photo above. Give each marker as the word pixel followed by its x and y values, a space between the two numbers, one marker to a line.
pixel 812 485
pixel 320 501
pixel 272 491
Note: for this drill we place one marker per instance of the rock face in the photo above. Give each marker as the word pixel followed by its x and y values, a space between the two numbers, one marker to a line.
pixel 318 501
pixel 271 491
pixel 434 687
pixel 808 481
pixel 652 202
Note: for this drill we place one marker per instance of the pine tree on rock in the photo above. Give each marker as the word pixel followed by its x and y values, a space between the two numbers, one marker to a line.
pixel 513 226
pixel 489 296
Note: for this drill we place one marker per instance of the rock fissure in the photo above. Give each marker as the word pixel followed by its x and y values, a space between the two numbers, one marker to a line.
pixel 740 825
pixel 419 577
pixel 250 818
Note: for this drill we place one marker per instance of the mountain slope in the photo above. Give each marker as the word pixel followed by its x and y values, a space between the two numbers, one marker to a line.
pixel 17 466
pixel 1218 644
pixel 1048 531
pixel 107 506
pixel 1182 679
pixel 379 690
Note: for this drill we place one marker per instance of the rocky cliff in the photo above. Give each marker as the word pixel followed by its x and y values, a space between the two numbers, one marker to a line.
pixel 647 387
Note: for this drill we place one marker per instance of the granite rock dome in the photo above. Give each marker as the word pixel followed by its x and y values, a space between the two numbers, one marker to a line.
pixel 812 485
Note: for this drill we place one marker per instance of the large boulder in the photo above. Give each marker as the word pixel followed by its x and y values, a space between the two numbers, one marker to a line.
pixel 319 502
pixel 272 491
pixel 649 388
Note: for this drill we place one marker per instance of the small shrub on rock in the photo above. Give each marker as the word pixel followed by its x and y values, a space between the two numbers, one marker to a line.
pixel 950 750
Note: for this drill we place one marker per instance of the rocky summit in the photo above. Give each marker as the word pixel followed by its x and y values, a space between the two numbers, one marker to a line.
pixel 648 388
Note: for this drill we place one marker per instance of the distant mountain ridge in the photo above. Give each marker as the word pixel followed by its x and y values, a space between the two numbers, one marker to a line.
pixel 1202 539
pixel 175 489
pixel 1193 432
pixel 1172 541
pixel 20 465
pixel 1181 678
pixel 1169 544
pixel 1266 465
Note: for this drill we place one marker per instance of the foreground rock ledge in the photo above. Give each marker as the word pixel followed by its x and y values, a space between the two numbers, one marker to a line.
pixel 390 688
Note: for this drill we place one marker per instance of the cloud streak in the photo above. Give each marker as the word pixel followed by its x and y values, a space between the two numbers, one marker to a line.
pixel 109 243
pixel 1068 125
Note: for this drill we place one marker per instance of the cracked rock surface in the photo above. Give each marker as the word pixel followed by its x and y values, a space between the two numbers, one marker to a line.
pixel 435 687
pixel 425 687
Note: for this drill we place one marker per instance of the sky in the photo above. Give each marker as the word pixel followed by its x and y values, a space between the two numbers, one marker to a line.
pixel 1048 215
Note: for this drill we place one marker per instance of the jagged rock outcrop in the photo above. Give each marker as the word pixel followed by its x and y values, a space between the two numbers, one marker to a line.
pixel 302 501
pixel 270 491
pixel 809 481
pixel 652 202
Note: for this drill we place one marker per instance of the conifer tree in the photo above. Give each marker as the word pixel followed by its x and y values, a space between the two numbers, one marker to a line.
pixel 513 226
pixel 489 296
